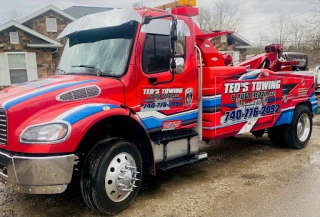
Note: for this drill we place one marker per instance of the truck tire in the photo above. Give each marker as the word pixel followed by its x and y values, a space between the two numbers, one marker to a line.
pixel 276 135
pixel 298 133
pixel 111 177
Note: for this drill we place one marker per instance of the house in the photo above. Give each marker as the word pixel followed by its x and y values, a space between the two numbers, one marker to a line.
pixel 238 51
pixel 28 47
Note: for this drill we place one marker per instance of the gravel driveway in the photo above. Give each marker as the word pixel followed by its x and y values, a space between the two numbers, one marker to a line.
pixel 244 176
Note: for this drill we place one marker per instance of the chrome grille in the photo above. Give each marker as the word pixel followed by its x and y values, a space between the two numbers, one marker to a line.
pixel 3 127
pixel 79 94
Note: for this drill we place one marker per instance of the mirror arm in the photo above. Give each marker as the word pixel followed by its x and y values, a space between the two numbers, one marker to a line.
pixel 148 19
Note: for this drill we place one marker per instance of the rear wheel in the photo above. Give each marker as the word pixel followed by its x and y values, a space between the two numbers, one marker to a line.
pixel 111 176
pixel 298 133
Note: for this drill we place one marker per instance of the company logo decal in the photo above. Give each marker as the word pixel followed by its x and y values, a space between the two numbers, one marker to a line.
pixel 243 101
pixel 162 99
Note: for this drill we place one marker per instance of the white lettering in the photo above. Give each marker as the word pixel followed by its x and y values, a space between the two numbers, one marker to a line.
pixel 231 88
pixel 151 91
pixel 278 85
pixel 172 90
pixel 265 85
pixel 256 86
pixel 237 87
pixel 226 88
pixel 245 87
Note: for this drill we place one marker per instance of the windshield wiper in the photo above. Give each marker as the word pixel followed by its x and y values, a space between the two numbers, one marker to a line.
pixel 60 70
pixel 98 71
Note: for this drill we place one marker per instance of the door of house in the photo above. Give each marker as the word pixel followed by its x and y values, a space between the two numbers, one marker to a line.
pixel 16 68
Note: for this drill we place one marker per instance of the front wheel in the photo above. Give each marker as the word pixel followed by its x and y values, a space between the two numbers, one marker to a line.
pixel 111 176
pixel 298 133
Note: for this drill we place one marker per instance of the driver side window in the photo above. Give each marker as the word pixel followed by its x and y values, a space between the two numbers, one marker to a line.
pixel 156 54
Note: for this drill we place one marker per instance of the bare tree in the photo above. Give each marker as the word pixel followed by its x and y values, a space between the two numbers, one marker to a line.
pixel 316 14
pixel 281 29
pixel 205 18
pixel 299 33
pixel 11 15
pixel 222 15
pixel 226 15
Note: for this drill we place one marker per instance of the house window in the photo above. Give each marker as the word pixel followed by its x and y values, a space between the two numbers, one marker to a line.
pixel 17 68
pixel 224 39
pixel 51 25
pixel 14 38
pixel 156 54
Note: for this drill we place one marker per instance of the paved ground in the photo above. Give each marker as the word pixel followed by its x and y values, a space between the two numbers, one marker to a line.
pixel 243 177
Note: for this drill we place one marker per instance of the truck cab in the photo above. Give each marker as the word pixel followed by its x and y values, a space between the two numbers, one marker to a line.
pixel 136 91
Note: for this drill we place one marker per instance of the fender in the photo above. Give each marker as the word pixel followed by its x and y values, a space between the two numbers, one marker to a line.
pixel 81 117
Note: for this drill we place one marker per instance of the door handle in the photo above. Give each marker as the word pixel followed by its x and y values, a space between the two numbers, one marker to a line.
pixel 153 80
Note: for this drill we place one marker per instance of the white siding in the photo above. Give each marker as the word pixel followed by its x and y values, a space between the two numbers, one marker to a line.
pixel 32 66
pixel 4 70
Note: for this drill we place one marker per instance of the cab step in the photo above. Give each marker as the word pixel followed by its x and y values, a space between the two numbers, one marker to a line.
pixel 197 158
pixel 168 136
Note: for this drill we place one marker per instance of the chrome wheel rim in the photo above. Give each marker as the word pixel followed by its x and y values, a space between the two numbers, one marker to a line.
pixel 303 127
pixel 121 177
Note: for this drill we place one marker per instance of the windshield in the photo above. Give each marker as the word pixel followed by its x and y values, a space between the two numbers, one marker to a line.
pixel 104 52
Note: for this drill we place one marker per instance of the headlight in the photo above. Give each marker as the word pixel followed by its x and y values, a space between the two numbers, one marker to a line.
pixel 46 133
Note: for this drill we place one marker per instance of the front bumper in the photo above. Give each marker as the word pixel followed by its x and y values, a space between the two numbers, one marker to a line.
pixel 36 175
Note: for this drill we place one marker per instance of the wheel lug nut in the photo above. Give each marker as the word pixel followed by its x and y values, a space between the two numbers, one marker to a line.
pixel 120 177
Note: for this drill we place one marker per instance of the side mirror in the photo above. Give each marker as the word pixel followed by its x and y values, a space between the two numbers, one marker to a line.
pixel 173 39
pixel 231 40
pixel 180 65
pixel 174 32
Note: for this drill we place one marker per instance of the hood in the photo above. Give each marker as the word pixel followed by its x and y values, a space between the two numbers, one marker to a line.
pixel 45 90
pixel 45 100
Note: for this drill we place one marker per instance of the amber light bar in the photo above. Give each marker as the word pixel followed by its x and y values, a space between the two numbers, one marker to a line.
pixel 177 4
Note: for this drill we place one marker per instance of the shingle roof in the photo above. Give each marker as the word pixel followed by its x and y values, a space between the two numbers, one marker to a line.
pixel 44 42
pixel 81 11
pixel 43 10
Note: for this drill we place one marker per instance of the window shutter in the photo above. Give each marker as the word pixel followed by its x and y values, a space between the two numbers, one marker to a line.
pixel 236 57
pixel 51 25
pixel 14 38
pixel 4 70
pixel 224 39
pixel 32 66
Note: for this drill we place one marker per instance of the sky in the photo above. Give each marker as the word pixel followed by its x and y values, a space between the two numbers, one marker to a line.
pixel 257 14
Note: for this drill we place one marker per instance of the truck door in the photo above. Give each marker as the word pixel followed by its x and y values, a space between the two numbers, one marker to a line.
pixel 172 105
